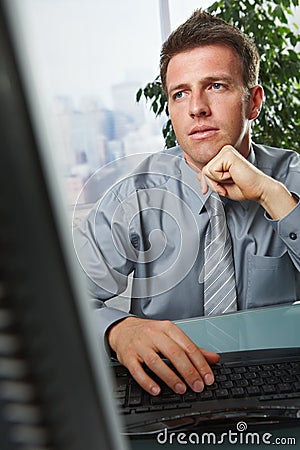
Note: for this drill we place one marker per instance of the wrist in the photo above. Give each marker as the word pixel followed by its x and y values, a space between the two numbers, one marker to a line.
pixel 113 331
pixel 277 200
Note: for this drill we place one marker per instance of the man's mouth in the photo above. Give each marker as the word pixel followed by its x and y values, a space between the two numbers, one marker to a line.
pixel 202 132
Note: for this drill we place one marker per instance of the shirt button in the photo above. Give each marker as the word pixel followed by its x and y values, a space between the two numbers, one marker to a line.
pixel 293 236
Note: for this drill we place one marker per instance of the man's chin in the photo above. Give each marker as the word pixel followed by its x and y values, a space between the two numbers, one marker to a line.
pixel 201 151
pixel 204 157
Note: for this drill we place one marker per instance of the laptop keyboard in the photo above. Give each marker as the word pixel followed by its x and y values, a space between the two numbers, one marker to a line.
pixel 263 381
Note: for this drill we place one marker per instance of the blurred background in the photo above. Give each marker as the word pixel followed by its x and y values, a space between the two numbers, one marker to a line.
pixel 88 59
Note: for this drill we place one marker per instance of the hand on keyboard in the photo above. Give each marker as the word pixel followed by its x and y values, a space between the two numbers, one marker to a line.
pixel 141 341
pixel 264 382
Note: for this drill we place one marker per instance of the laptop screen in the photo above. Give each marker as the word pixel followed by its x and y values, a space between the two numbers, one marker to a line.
pixel 54 385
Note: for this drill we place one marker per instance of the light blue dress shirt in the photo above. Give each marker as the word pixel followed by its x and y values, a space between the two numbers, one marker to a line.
pixel 153 223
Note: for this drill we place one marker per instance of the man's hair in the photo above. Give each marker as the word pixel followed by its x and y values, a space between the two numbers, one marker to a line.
pixel 204 29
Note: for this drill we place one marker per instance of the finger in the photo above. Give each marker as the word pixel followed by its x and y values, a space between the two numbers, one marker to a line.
pixel 217 172
pixel 183 365
pixel 165 373
pixel 142 378
pixel 203 183
pixel 211 357
pixel 217 187
pixel 194 354
pixel 201 364
pixel 221 189
pixel 161 370
pixel 209 180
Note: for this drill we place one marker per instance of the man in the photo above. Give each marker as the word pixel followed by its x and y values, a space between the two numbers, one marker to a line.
pixel 154 223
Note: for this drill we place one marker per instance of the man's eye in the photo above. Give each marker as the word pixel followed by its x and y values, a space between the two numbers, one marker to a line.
pixel 178 95
pixel 217 86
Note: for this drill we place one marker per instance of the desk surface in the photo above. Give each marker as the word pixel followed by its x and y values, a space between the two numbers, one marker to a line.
pixel 262 328
pixel 245 330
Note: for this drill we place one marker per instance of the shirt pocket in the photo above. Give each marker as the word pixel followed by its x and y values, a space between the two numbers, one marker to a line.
pixel 271 281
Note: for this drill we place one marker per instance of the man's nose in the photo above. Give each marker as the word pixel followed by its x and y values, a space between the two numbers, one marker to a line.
pixel 199 105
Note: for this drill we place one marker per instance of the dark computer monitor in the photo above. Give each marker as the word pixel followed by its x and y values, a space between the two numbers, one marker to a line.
pixel 55 391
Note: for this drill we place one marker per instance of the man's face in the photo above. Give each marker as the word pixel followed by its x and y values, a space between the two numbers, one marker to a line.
pixel 207 102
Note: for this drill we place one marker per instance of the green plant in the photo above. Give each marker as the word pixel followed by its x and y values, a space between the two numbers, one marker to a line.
pixel 267 21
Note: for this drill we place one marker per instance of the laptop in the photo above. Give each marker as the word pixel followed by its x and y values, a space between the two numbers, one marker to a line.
pixel 258 387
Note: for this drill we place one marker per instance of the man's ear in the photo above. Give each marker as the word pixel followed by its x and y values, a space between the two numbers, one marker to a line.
pixel 255 102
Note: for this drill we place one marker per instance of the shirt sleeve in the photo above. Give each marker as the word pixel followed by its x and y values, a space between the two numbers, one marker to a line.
pixel 101 243
pixel 289 231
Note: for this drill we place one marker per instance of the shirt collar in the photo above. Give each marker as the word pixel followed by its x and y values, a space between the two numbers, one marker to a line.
pixel 251 157
pixel 189 177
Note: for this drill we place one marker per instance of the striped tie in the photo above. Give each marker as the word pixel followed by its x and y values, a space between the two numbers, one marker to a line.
pixel 219 279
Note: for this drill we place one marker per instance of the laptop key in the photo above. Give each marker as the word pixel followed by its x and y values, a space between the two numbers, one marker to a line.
pixel 268 367
pixel 226 384
pixel 134 401
pixel 265 373
pixel 212 387
pixel 170 406
pixel 135 395
pixel 190 396
pixel 284 387
pixel 253 390
pixel 221 393
pixel 156 407
pixel 220 378
pixel 257 382
pixel 240 369
pixel 250 375
pixel 142 409
pixel 242 383
pixel 254 368
pixel 288 365
pixel 184 405
pixel 235 376
pixel 269 389
pixel 289 379
pixel 273 380
pixel 225 371
pixel 238 392
pixel 161 400
pixel 206 395
pixel 279 373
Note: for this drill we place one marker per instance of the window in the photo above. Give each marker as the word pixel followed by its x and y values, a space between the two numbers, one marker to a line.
pixel 88 59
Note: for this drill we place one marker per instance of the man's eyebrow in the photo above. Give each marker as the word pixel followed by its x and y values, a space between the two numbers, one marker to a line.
pixel 177 87
pixel 211 79
pixel 219 77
